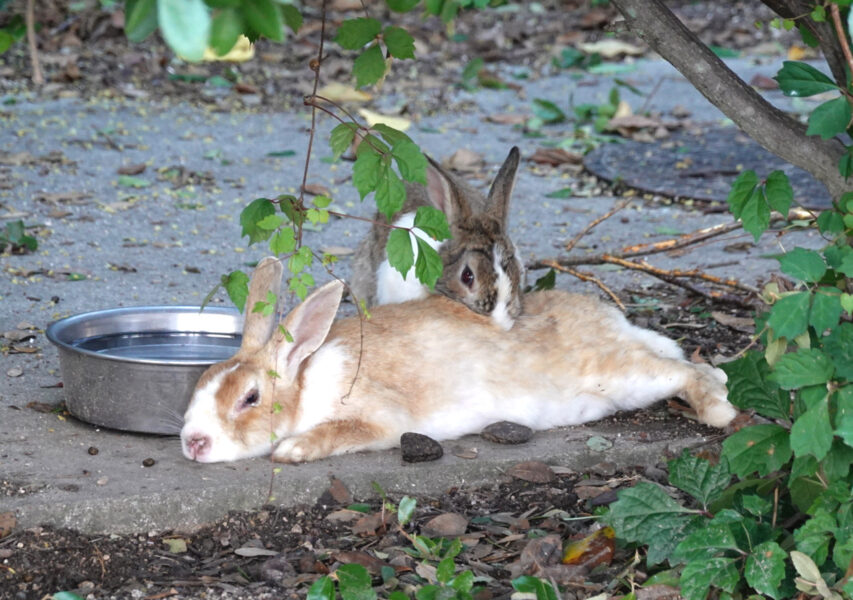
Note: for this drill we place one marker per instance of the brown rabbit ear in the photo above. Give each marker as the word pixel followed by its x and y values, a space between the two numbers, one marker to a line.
pixel 443 193
pixel 257 327
pixel 501 190
pixel 307 326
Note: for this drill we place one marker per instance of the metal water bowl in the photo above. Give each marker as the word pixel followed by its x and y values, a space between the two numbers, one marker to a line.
pixel 135 369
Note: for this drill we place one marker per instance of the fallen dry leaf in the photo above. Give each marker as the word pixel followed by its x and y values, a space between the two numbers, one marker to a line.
pixel 8 522
pixel 445 525
pixel 591 551
pixel 339 92
pixel 507 118
pixel 132 169
pixel 316 189
pixel 464 160
pixel 74 198
pixel 610 48
pixel 742 324
pixel 556 156
pixel 375 118
pixel 762 82
pixel 371 563
pixel 339 492
pixel 533 471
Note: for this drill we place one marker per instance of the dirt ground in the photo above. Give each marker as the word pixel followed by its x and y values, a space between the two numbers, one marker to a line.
pixel 278 553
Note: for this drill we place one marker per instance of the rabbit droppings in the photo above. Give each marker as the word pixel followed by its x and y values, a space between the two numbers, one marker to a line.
pixel 429 366
pixel 482 268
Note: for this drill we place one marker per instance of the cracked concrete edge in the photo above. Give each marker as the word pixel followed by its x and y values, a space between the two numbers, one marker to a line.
pixel 186 509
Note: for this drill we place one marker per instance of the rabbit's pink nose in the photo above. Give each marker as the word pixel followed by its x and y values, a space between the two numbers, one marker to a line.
pixel 197 445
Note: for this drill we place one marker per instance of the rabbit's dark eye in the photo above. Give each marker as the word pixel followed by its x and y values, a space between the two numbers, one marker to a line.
pixel 251 399
pixel 467 276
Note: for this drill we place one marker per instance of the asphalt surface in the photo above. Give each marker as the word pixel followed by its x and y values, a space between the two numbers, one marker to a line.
pixel 112 245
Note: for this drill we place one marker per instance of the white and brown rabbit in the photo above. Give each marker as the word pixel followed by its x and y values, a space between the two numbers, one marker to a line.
pixel 482 269
pixel 430 366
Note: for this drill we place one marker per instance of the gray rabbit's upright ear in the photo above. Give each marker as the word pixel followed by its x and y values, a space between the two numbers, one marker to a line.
pixel 257 326
pixel 501 190
pixel 443 193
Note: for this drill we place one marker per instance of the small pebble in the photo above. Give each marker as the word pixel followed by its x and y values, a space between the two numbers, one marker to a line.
pixel 505 432
pixel 417 447
pixel 93 451
pixel 15 372
pixel 148 462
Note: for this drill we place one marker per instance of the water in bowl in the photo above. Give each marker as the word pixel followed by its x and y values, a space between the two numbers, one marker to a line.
pixel 165 346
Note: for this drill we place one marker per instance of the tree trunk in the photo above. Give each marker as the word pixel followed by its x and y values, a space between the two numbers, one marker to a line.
pixel 763 122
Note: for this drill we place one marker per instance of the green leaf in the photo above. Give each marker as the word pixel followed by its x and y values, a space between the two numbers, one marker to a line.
pixel 226 27
pixel 322 589
pixel 256 211
pixel 264 17
pixel 830 222
pixel 646 514
pixel 801 79
pixel 366 170
pixel 271 222
pixel 761 448
pixel 471 70
pixel 807 366
pixel 464 582
pixel 7 39
pixel 546 282
pixel 355 582
pixel 401 256
pixel 406 509
pixel 301 260
pixel 705 543
pixel 321 201
pixel 369 67
pixel 445 571
pixel 789 316
pixel 565 192
pixel 548 111
pixel 749 387
pixel 830 118
pixel 236 283
pixel 399 43
pixel 527 584
pixel 802 264
pixel 132 182
pixel 779 192
pixel 410 160
pixel 755 214
pixel 66 596
pixel 698 477
pixel 844 414
pixel 765 568
pixel 283 242
pixel 826 309
pixel 845 166
pixel 341 138
pixel 140 19
pixel 741 191
pixel 815 535
pixel 401 5
pixel 292 17
pixel 356 33
pixel 185 25
pixel 390 192
pixel 812 432
pixel 428 264
pixel 698 576
pixel 839 346
pixel 432 221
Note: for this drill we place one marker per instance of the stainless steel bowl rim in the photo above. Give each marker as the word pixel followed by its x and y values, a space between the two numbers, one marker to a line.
pixel 56 329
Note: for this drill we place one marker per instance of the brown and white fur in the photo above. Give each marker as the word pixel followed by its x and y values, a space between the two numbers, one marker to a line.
pixel 430 366
pixel 482 268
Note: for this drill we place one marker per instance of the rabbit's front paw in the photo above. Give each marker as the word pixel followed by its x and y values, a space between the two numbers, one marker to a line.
pixel 294 450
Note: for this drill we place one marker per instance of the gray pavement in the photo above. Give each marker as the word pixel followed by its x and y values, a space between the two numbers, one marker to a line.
pixel 161 245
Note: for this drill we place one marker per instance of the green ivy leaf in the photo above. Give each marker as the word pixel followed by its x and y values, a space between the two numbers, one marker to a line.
pixel 283 242
pixel 401 5
pixel 646 514
pixel 226 27
pixel 405 510
pixel 807 366
pixel 399 250
pixel 355 582
pixel 133 182
pixel 341 138
pixel 765 568
pixel 445 571
pixel 271 222
pixel 779 192
pixel 761 448
pixel 698 576
pixel 826 309
pixel 839 347
pixel 236 284
pixel 705 543
pixel 741 191
pixel 428 264
pixel 140 19
pixel 301 260
pixel 698 477
pixel 814 536
pixel 845 167
pixel 185 25
pixel 548 111
pixel 366 170
pixel 322 201
pixel 292 17
pixel 830 118
pixel 256 211
pixel 354 34
pixel 542 590
pixel 830 222
pixel 322 589
pixel 801 79
pixel 789 316
pixel 433 222
pixel 464 582
pixel 399 43
pixel 750 388
pixel 264 17
pixel 812 432
pixel 369 67
pixel 410 160
pixel 802 264
pixel 390 192
pixel 844 414
pixel 755 214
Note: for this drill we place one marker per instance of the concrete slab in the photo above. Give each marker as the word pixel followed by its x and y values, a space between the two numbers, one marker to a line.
pixel 163 245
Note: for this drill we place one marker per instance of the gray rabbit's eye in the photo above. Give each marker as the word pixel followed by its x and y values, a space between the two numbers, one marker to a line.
pixel 467 276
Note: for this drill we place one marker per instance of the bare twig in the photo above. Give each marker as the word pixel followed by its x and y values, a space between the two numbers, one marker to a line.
pixel 678 273
pixel 38 77
pixel 842 36
pixel 679 242
pixel 587 277
pixel 571 244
